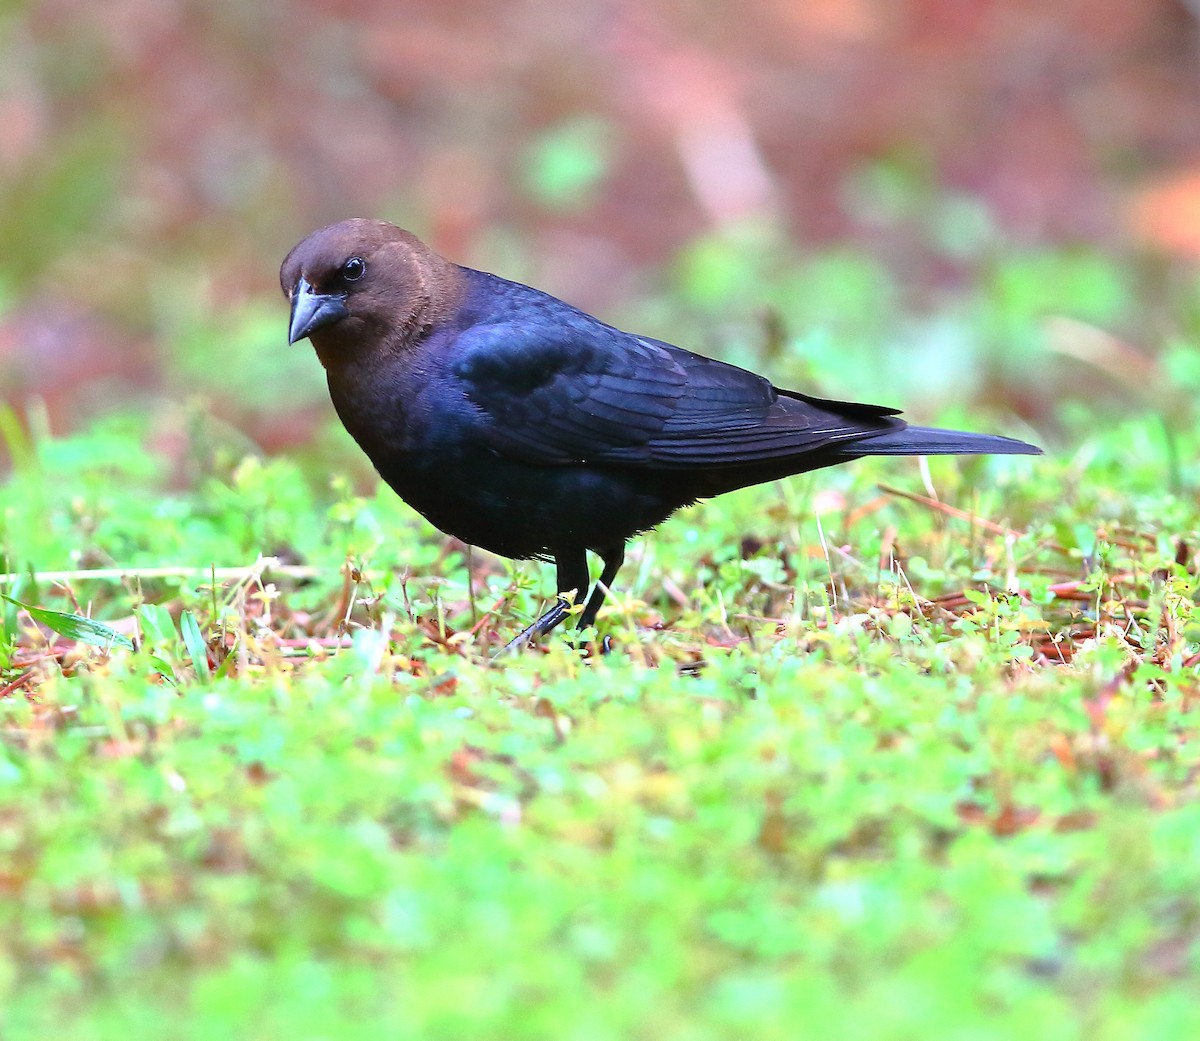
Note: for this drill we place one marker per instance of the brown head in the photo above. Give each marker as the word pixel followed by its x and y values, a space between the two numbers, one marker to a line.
pixel 363 284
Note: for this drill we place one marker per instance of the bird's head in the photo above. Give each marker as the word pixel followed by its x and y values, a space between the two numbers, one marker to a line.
pixel 365 282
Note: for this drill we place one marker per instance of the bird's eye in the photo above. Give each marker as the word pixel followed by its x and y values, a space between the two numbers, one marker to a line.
pixel 354 269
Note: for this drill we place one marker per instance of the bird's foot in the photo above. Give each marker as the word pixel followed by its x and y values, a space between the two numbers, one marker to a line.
pixel 522 639
pixel 592 648
pixel 562 607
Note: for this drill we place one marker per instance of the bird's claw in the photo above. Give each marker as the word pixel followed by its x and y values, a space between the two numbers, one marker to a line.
pixel 562 607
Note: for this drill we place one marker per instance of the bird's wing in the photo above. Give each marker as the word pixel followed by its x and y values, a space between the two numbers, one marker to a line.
pixel 567 393
pixel 573 392
pixel 731 417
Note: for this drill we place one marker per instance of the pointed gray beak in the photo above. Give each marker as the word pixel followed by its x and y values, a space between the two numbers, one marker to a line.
pixel 312 310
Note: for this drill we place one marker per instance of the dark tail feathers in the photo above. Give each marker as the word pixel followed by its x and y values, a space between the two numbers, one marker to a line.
pixel 931 441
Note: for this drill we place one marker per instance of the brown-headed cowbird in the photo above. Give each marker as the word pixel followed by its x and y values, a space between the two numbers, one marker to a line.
pixel 518 423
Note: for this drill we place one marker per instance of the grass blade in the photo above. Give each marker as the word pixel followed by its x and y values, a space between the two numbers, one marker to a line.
pixel 75 626
pixel 193 640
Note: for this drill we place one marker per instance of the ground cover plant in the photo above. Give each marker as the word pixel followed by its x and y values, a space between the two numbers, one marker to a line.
pixel 888 750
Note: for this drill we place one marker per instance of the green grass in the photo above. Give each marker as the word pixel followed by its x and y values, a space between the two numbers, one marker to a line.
pixel 804 796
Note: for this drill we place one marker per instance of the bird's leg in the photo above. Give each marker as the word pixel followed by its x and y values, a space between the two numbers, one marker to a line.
pixel 572 577
pixel 613 559
pixel 546 622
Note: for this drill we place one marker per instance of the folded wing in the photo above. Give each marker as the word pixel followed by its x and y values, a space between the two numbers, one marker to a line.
pixel 574 392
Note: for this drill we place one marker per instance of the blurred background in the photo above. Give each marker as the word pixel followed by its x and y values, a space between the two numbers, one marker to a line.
pixel 983 211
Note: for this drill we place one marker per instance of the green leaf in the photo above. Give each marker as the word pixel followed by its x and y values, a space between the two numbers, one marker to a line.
pixel 75 626
pixel 157 627
pixel 163 668
pixel 194 641
pixel 8 622
pixel 21 449
pixel 226 665
pixel 8 616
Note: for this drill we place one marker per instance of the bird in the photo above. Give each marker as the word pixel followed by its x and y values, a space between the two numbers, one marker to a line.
pixel 516 422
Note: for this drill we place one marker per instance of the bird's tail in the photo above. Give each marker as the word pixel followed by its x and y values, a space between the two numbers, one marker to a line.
pixel 931 441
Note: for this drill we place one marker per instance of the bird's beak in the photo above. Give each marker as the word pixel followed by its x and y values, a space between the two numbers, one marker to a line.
pixel 312 310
